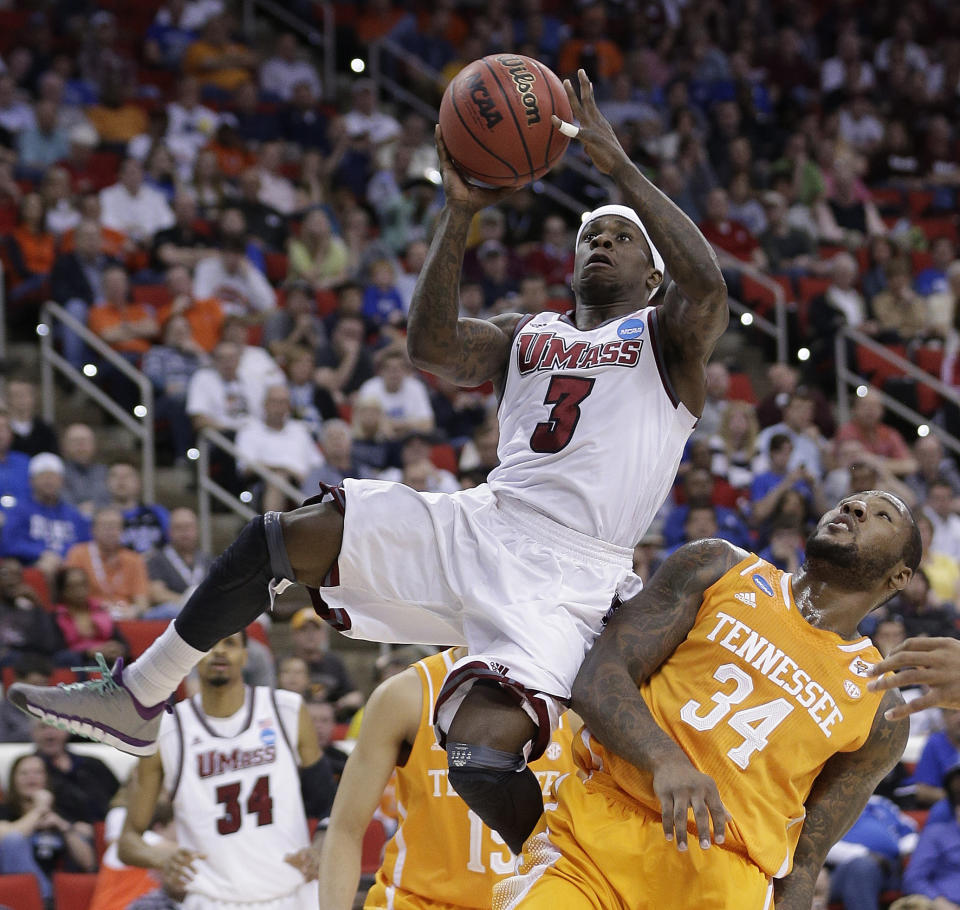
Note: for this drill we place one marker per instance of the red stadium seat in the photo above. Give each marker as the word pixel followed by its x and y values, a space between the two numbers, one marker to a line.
pixel 808 288
pixel 35 579
pixel 20 892
pixel 939 227
pixel 276 267
pixel 155 295
pixel 373 840
pixel 918 202
pixel 99 839
pixel 929 359
pixel 444 457
pixel 875 366
pixel 920 260
pixel 258 633
pixel 888 199
pixel 141 633
pixel 741 388
pixel 57 675
pixel 73 890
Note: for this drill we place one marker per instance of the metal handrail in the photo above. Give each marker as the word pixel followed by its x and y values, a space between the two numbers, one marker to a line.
pixel 208 488
pixel 847 378
pixel 139 424
pixel 325 38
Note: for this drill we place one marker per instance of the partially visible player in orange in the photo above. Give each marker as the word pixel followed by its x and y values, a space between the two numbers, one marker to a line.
pixel 442 856
pixel 735 690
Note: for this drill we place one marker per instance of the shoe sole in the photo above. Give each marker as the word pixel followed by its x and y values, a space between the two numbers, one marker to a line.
pixel 86 729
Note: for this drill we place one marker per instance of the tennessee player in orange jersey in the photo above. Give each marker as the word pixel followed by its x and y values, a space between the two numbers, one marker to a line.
pixel 738 692
pixel 442 856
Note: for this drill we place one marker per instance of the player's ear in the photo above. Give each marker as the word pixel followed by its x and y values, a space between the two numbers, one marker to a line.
pixel 654 279
pixel 899 577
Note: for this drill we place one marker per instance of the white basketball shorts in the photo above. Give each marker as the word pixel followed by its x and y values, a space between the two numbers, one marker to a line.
pixel 306 897
pixel 524 593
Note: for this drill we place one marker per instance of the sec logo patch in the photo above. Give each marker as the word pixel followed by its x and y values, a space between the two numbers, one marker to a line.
pixel 553 751
pixel 630 328
pixel 851 688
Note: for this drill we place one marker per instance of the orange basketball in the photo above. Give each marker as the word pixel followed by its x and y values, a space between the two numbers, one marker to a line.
pixel 495 119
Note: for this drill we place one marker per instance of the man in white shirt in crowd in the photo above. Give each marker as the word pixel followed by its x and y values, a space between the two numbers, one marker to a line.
pixel 798 425
pixel 230 277
pixel 279 443
pixel 131 207
pixel 286 68
pixel 191 125
pixel 257 370
pixel 363 120
pixel 946 523
pixel 216 397
pixel 276 191
pixel 403 396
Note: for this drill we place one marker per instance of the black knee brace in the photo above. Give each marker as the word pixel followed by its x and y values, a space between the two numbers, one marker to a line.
pixel 499 787
pixel 235 591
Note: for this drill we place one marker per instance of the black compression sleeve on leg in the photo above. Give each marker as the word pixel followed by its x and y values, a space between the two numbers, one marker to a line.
pixel 507 800
pixel 234 593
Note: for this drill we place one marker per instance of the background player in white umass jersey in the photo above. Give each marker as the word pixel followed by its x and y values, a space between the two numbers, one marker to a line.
pixel 230 758
pixel 594 415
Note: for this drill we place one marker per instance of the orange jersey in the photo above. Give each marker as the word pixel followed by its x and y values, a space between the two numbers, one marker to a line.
pixel 757 698
pixel 442 853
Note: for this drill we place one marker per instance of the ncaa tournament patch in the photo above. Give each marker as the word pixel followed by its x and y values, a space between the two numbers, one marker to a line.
pixel 268 736
pixel 763 585
pixel 630 328
pixel 859 667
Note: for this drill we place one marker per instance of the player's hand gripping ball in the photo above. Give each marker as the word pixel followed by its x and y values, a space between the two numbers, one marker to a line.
pixel 495 120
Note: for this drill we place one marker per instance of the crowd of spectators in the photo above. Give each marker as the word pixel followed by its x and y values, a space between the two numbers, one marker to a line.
pixel 250 237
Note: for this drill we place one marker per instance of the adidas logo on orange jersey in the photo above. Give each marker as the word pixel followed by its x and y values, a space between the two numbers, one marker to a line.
pixel 747 597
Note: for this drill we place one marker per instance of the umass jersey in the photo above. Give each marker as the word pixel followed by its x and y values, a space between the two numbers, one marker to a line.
pixel 235 789
pixel 591 432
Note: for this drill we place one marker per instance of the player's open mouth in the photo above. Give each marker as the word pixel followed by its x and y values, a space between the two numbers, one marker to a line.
pixel 598 259
pixel 841 521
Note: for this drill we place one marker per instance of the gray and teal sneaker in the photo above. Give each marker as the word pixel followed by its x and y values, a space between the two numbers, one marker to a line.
pixel 100 709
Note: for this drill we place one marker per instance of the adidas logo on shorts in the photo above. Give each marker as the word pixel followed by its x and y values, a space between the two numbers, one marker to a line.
pixel 747 597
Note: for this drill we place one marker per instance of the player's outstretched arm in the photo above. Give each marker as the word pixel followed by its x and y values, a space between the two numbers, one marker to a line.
pixel 642 634
pixel 930 662
pixel 390 721
pixel 467 352
pixel 695 312
pixel 839 794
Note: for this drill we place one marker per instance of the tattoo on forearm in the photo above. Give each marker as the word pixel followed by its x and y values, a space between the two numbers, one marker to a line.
pixel 640 636
pixel 836 801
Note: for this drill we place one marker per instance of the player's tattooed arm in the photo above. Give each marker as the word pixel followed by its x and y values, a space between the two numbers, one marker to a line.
pixel 467 352
pixel 839 794
pixel 640 636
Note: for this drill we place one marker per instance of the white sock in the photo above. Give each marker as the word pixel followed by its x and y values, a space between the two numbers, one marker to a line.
pixel 154 675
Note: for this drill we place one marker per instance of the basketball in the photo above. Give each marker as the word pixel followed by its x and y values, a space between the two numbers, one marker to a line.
pixel 495 119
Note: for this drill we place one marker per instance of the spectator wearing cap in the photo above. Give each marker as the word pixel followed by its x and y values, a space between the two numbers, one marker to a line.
pixel 14 467
pixel 934 869
pixel 329 678
pixel 287 69
pixel 40 529
pixel 31 434
pixel 117 575
pixel 280 443
pixel 80 163
pixel 230 277
pixel 402 395
pixel 132 207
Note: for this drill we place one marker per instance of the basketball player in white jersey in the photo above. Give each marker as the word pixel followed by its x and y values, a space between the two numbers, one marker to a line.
pixel 594 415
pixel 230 758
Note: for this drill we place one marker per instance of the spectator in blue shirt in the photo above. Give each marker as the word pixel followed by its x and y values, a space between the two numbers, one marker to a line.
pixel 940 754
pixel 698 486
pixel 382 303
pixel 43 145
pixel 146 526
pixel 866 861
pixel 934 870
pixel 14 479
pixel 40 529
pixel 933 280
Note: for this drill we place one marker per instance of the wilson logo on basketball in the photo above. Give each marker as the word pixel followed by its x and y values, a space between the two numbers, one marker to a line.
pixel 523 81
pixel 480 96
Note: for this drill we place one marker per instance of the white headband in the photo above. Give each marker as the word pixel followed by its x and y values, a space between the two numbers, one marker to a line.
pixel 623 212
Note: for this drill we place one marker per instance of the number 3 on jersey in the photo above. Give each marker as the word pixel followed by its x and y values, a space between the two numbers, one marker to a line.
pixel 565 393
pixel 754 724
